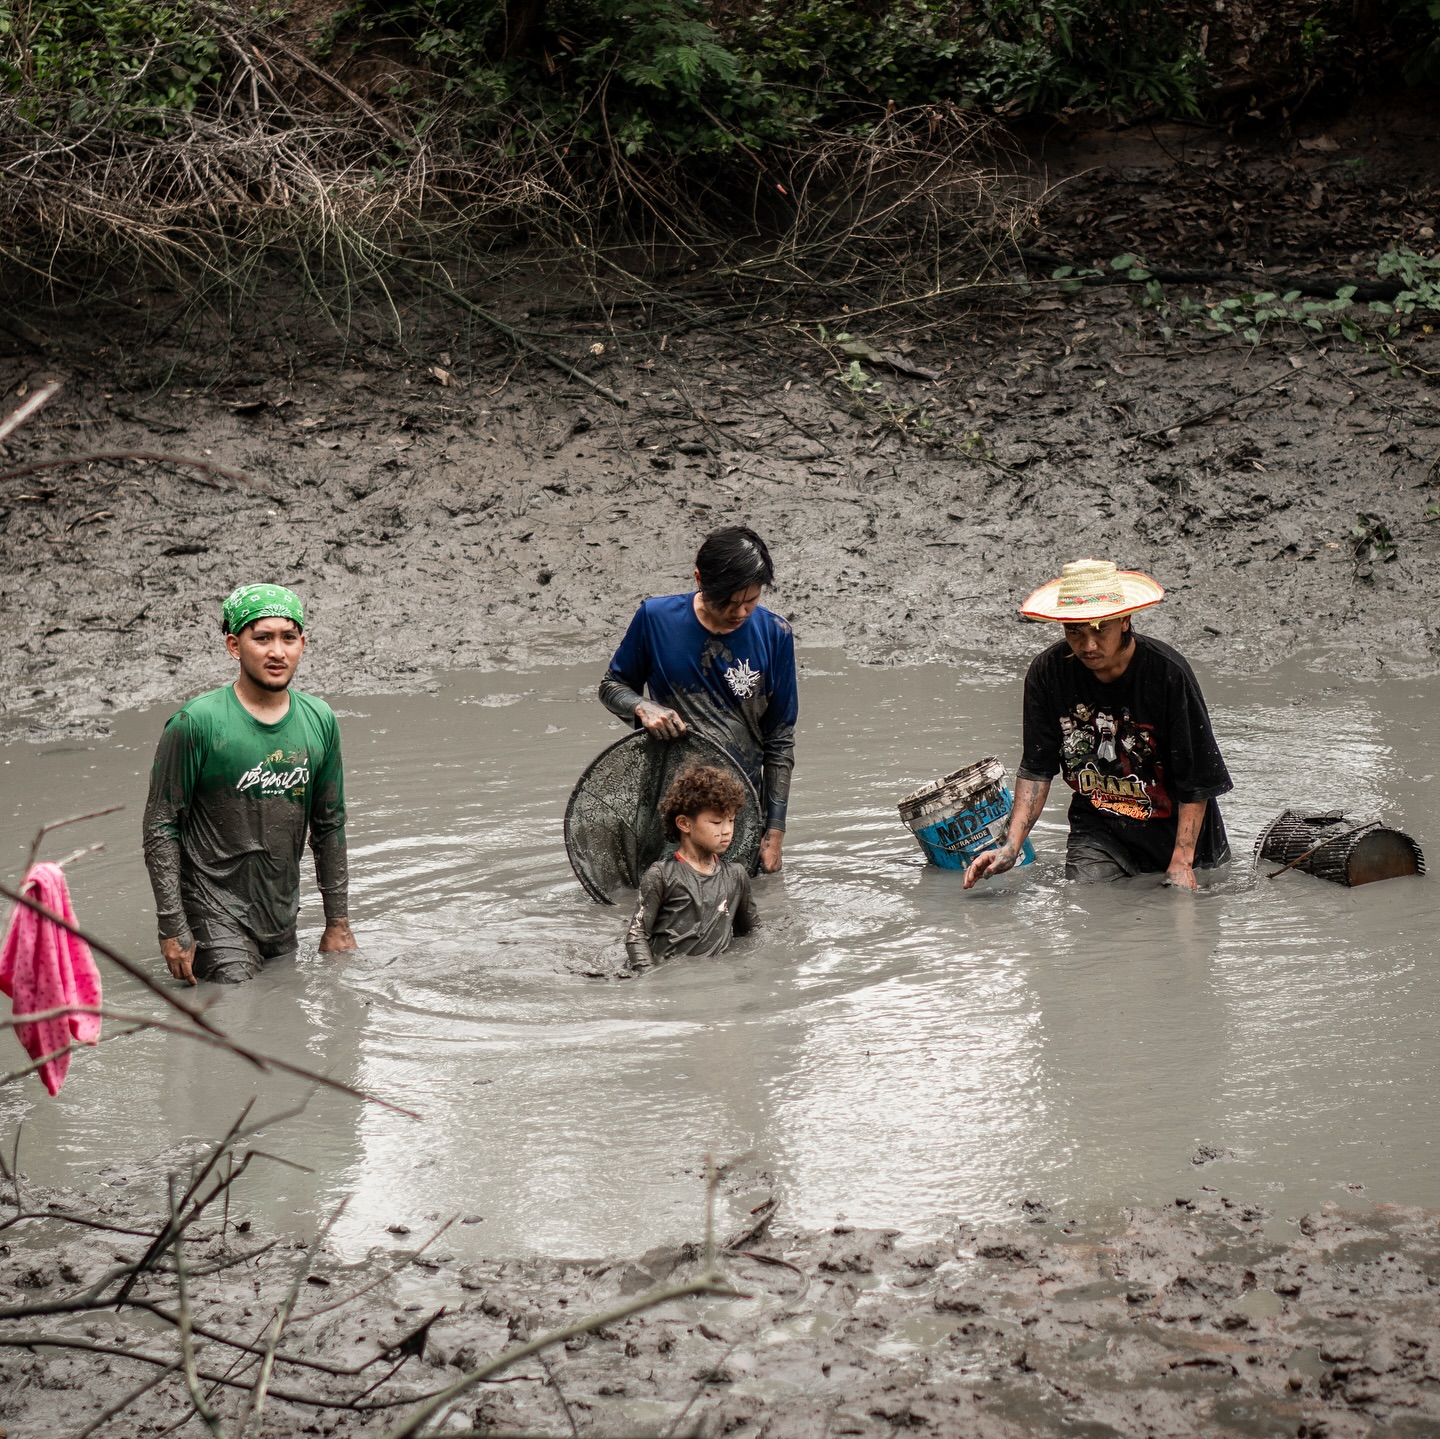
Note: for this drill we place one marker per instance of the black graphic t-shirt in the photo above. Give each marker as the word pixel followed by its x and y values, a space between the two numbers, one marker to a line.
pixel 1133 752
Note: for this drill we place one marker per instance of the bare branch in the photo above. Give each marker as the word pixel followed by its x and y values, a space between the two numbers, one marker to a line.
pixel 375 1284
pixel 559 1394
pixel 115 1410
pixel 282 1318
pixel 70 1048
pixel 521 342
pixel 187 1347
pixel 117 1351
pixel 134 970
pixel 340 88
pixel 176 1225
pixel 32 404
pixel 710 1282
pixel 61 823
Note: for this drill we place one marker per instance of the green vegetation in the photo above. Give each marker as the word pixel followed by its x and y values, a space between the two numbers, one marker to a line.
pixel 1127 57
pixel 1254 315
pixel 824 59
pixel 675 76
pixel 639 75
pixel 1420 277
pixel 632 75
pixel 71 58
pixel 1421 19
pixel 833 140
pixel 660 75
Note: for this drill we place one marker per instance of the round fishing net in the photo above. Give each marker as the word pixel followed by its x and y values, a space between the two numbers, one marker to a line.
pixel 613 830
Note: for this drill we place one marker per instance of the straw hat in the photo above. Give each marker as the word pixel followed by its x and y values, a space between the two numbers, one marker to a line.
pixel 1092 590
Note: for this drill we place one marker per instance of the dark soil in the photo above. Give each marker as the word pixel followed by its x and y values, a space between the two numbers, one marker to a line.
pixel 512 515
pixel 1190 1321
pixel 1322 196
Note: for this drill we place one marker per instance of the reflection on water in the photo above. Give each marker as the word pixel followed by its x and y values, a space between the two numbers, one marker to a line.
pixel 890 1049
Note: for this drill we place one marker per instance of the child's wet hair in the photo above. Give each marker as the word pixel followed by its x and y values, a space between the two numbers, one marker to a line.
pixel 699 789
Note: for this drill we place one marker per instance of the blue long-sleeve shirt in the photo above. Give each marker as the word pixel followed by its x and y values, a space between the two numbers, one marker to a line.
pixel 738 689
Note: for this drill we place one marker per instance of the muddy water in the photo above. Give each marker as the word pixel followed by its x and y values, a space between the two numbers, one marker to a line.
pixel 890 1049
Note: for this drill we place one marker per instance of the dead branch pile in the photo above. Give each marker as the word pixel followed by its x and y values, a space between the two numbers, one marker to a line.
pixel 215 1325
pixel 289 171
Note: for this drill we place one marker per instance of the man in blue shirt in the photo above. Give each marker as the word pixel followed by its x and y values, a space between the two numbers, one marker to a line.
pixel 718 660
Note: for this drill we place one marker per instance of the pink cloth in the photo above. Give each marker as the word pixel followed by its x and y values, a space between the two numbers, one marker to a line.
pixel 45 967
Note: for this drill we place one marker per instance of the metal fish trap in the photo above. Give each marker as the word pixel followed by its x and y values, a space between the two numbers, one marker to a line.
pixel 613 830
pixel 1330 846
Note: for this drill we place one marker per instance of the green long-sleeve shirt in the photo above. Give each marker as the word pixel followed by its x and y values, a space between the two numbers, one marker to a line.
pixel 232 801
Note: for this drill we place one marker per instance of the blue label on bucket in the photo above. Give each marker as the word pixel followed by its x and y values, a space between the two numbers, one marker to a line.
pixel 955 839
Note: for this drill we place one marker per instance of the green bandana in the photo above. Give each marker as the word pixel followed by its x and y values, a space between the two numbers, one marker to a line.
pixel 261 602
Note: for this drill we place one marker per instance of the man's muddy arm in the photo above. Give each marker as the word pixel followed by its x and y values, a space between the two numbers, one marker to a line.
pixel 1191 816
pixel 629 705
pixel 782 713
pixel 619 697
pixel 332 869
pixel 171 780
pixel 1030 797
pixel 162 863
pixel 327 844
pixel 777 768
pixel 332 876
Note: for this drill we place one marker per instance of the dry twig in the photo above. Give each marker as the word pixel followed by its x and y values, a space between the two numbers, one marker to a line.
pixel 60 824
pixel 111 457
pixel 32 404
pixel 256 1416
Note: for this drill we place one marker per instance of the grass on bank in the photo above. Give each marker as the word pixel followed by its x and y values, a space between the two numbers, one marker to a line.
pixel 762 148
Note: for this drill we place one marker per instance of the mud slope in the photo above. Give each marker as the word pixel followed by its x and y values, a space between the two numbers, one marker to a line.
pixel 494 521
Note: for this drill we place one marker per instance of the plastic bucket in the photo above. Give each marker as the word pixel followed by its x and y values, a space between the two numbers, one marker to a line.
pixel 962 814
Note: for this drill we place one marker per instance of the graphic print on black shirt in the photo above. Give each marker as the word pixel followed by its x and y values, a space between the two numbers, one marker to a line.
pixel 1113 762
pixel 1133 752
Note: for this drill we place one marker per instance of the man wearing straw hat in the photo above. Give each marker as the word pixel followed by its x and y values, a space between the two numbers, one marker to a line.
pixel 1121 717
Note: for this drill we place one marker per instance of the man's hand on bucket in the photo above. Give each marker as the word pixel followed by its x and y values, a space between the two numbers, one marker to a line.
pixel 992 861
pixel 179 960
pixel 660 720
pixel 338 937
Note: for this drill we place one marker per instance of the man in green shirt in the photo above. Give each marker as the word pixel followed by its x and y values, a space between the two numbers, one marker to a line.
pixel 242 775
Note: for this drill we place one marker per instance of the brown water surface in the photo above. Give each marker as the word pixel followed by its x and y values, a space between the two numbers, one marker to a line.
pixel 890 1049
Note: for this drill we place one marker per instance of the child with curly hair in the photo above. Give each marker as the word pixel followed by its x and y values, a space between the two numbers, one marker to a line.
pixel 694 900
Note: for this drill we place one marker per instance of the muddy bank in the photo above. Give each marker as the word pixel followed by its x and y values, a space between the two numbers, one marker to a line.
pixel 442 502
pixel 1195 1319
pixel 1319 196
pixel 488 523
